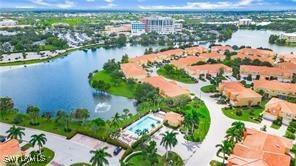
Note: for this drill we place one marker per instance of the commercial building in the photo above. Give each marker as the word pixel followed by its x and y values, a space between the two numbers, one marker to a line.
pixel 137 28
pixel 161 25
pixel 289 37
pixel 276 108
pixel 267 73
pixel 238 95
pixel 261 149
pixel 133 71
pixel 275 88
pixel 166 88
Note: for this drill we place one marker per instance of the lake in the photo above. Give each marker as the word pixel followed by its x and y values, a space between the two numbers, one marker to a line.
pixel 63 83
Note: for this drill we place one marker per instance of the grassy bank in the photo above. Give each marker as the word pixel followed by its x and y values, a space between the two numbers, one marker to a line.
pixel 173 73
pixel 209 89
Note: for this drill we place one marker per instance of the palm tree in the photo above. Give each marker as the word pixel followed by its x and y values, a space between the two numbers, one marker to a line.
pixel 40 140
pixel 15 133
pixel 233 135
pixel 240 126
pixel 100 157
pixel 225 148
pixel 169 140
pixel 115 120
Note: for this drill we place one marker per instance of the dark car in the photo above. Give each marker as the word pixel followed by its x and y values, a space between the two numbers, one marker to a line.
pixel 117 150
pixel 2 139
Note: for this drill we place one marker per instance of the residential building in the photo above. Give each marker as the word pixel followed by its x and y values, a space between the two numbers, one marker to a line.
pixel 238 95
pixel 221 49
pixel 8 23
pixel 133 71
pixel 161 25
pixel 166 88
pixel 158 57
pixel 213 55
pixel 287 57
pixel 137 28
pixel 173 119
pixel 268 73
pixel 195 50
pixel 259 54
pixel 275 88
pixel 8 149
pixel 178 27
pixel 245 21
pixel 207 69
pixel 261 149
pixel 289 37
pixel 276 108
pixel 287 66
pixel 187 61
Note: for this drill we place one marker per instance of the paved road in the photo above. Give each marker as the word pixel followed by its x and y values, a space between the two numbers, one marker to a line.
pixel 66 151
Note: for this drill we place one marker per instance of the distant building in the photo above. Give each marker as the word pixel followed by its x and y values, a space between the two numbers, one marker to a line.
pixel 289 37
pixel 123 28
pixel 8 23
pixel 178 27
pixel 244 21
pixel 137 28
pixel 253 54
pixel 161 25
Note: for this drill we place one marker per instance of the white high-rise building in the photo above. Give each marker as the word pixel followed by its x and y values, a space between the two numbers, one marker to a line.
pixel 137 28
pixel 161 25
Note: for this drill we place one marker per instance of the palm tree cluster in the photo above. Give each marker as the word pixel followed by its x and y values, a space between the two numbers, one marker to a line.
pixel 100 157
pixel 169 141
pixel 233 135
pixel 191 121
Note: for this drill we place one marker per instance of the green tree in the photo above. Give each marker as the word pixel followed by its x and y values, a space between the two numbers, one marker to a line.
pixel 15 133
pixel 124 58
pixel 81 114
pixel 225 148
pixel 6 104
pixel 100 157
pixel 33 112
pixel 169 140
pixel 149 153
pixel 40 140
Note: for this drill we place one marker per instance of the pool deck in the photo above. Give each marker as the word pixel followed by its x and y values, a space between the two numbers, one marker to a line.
pixel 130 137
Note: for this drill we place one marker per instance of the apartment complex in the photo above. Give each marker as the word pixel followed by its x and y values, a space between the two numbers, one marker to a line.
pixel 275 88
pixel 276 108
pixel 261 149
pixel 259 54
pixel 133 71
pixel 281 73
pixel 166 88
pixel 208 69
pixel 289 37
pixel 161 25
pixel 238 95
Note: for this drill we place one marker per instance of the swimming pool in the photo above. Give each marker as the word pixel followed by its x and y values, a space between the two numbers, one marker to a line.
pixel 146 122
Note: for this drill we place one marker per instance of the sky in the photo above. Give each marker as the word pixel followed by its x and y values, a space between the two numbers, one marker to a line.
pixel 152 4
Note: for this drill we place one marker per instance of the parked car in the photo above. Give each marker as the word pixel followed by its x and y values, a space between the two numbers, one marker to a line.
pixel 117 150
pixel 2 139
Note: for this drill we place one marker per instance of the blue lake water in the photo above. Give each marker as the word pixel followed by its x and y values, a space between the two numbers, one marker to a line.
pixel 63 84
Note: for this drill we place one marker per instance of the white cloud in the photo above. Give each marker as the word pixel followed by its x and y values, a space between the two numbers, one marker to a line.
pixel 109 1
pixel 90 0
pixel 202 5
pixel 64 5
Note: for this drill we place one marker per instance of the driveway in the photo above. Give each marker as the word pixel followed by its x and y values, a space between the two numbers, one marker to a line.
pixel 66 151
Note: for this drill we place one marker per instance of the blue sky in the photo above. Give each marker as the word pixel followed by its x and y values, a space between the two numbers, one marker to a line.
pixel 153 4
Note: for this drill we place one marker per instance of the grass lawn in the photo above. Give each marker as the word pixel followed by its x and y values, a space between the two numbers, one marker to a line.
pixel 209 89
pixel 275 126
pixel 251 114
pixel 49 154
pixel 204 120
pixel 171 72
pixel 215 163
pixel 121 88
pixel 138 159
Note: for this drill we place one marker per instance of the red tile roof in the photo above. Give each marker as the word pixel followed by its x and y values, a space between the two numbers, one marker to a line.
pixel 9 148
pixel 212 69
pixel 132 70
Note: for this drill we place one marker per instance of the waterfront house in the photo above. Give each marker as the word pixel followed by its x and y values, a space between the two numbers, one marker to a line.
pixel 238 95
pixel 195 50
pixel 133 71
pixel 221 49
pixel 275 88
pixel 261 149
pixel 207 69
pixel 166 88
pixel 259 54
pixel 276 108
pixel 269 73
